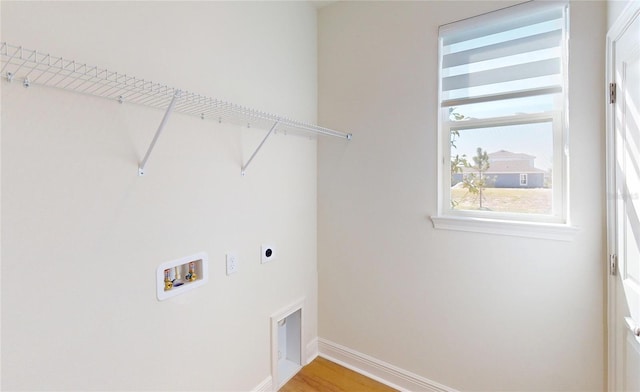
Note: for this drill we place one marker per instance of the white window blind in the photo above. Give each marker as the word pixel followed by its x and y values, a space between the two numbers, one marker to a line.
pixel 512 53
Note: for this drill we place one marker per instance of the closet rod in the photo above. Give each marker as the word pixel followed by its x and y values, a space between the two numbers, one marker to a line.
pixel 35 67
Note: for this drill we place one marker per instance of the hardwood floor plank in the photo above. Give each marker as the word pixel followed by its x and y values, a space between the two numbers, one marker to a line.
pixel 322 375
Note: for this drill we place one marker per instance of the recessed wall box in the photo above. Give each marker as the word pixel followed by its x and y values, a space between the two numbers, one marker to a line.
pixel 181 275
pixel 287 350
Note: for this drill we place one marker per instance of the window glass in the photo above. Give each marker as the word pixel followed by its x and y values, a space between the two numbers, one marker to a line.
pixel 491 163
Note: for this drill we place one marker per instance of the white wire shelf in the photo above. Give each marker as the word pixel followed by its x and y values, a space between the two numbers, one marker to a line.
pixel 33 67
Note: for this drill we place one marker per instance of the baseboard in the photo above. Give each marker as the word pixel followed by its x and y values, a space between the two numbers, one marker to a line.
pixel 311 351
pixel 378 370
pixel 264 386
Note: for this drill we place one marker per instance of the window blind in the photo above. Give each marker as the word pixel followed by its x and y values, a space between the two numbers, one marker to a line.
pixel 506 54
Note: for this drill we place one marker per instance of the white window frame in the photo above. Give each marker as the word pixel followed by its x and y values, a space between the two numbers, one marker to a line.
pixel 559 165
pixel 554 226
pixel 524 181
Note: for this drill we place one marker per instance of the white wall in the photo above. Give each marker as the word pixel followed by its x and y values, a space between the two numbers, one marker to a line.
pixel 470 311
pixel 82 234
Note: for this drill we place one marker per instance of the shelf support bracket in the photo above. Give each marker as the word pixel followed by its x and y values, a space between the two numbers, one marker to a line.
pixel 244 167
pixel 163 123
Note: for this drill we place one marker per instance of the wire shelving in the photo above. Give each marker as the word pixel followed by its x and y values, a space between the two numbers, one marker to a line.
pixel 39 68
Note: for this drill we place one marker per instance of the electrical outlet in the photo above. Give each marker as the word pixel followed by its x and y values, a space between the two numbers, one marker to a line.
pixel 232 263
pixel 268 253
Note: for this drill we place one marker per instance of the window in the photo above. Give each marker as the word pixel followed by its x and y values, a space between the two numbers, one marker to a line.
pixel 523 180
pixel 503 82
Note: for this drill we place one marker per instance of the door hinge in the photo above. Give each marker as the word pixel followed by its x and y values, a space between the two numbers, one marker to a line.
pixel 612 93
pixel 613 264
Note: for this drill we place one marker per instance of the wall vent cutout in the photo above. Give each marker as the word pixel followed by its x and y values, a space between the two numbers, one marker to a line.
pixel 286 344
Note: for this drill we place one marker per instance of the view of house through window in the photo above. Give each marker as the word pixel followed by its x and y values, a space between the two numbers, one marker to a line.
pixel 503 168
pixel 502 98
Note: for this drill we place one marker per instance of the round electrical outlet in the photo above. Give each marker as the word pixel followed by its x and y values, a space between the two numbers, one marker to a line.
pixel 268 253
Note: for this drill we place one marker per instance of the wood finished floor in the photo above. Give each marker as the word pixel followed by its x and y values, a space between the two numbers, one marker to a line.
pixel 322 375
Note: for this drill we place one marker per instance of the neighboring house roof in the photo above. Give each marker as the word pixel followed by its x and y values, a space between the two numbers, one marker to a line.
pixel 508 155
pixel 508 162
pixel 512 167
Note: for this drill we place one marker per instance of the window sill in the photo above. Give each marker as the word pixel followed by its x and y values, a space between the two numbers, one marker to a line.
pixel 550 231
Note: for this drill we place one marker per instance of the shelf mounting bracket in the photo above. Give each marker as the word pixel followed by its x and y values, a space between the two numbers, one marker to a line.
pixel 163 123
pixel 244 167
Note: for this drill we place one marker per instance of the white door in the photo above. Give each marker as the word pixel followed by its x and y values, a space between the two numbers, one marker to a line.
pixel 624 202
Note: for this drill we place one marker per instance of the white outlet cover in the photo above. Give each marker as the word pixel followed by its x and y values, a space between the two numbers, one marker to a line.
pixel 268 253
pixel 232 263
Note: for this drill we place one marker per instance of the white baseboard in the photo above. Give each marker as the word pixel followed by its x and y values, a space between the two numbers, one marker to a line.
pixel 378 370
pixel 311 351
pixel 264 386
